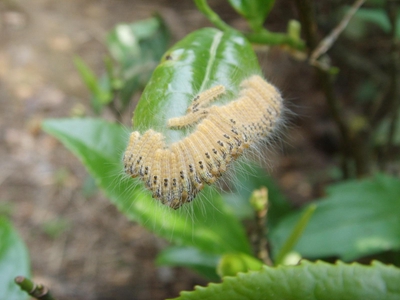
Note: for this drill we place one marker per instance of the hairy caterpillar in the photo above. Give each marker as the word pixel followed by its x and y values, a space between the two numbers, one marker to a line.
pixel 176 173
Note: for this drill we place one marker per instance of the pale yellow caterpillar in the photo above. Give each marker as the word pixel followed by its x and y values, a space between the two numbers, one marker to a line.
pixel 176 173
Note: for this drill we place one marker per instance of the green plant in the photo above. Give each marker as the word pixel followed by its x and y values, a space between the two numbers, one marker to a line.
pixel 14 261
pixel 358 218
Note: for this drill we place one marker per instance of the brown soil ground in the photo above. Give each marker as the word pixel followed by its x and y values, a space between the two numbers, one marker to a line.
pixel 98 254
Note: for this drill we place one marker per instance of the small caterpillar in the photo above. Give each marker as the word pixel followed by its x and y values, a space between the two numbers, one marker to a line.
pixel 176 173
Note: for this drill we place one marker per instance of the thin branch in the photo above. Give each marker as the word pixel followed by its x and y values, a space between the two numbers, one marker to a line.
pixel 330 39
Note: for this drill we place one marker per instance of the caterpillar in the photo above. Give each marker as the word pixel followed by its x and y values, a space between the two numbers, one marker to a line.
pixel 176 173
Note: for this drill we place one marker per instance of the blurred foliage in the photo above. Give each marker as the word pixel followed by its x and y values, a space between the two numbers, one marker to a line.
pixel 14 261
pixel 255 12
pixel 55 228
pixel 366 19
pixel 232 264
pixel 135 50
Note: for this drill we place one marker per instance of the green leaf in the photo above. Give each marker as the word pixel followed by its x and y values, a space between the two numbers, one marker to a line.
pixel 101 91
pixel 143 40
pixel 358 25
pixel 14 261
pixel 137 49
pixel 311 281
pixel 375 16
pixel 382 132
pixel 203 59
pixel 233 263
pixel 200 261
pixel 254 11
pixel 356 219
pixel 294 236
pixel 206 224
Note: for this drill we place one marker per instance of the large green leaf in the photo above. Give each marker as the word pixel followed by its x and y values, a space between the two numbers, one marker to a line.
pixel 254 11
pixel 206 224
pixel 356 219
pixel 203 59
pixel 311 281
pixel 14 261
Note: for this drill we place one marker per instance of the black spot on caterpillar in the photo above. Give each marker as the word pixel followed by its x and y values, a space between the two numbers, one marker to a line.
pixel 176 173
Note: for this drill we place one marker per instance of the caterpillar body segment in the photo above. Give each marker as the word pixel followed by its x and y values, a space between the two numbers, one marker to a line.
pixel 176 188
pixel 135 158
pixel 267 91
pixel 155 139
pixel 134 138
pixel 199 160
pixel 205 98
pixel 207 149
pixel 156 174
pixel 188 120
pixel 190 161
pixel 222 129
pixel 183 180
pixel 176 173
pixel 147 168
pixel 215 146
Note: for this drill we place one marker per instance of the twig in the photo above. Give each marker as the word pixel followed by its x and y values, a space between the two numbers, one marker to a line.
pixel 328 41
pixel 37 291
pixel 259 202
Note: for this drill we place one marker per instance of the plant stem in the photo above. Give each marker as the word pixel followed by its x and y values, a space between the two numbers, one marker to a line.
pixel 259 202
pixel 260 37
pixel 271 38
pixel 37 291
pixel 328 41
pixel 211 15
